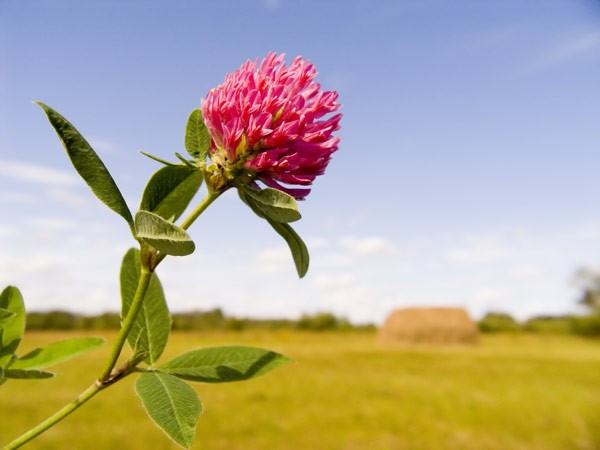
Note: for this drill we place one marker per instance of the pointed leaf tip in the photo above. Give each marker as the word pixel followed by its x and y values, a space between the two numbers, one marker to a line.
pixel 224 364
pixel 88 164
pixel 172 404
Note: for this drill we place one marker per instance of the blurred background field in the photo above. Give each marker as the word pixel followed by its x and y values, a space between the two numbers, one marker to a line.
pixel 344 391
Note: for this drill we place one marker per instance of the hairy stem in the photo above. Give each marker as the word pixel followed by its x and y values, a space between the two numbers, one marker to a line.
pixel 108 377
pixel 136 304
pixel 56 417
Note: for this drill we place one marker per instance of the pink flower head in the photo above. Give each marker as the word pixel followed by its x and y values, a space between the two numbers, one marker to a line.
pixel 270 122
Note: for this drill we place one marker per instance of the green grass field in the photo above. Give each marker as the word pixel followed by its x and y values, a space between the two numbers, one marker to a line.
pixel 344 391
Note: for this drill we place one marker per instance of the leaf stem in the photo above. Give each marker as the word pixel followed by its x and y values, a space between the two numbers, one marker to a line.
pixel 136 304
pixel 189 220
pixel 107 376
pixel 56 417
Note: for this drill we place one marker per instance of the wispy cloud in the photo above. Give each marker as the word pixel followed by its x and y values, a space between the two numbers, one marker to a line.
pixel 102 145
pixel 565 52
pixel 271 4
pixel 369 246
pixel 33 173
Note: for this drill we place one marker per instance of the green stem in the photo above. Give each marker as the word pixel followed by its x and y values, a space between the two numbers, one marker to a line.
pixel 56 417
pixel 189 220
pixel 136 304
pixel 105 378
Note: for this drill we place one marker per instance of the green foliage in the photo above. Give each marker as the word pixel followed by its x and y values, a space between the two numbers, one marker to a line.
pixel 11 333
pixel 322 321
pixel 197 138
pixel 296 244
pixel 498 322
pixel 56 352
pixel 150 331
pixel 87 163
pixel 6 317
pixel 549 324
pixel 12 310
pixel 200 320
pixel 170 190
pixel 171 404
pixel 224 364
pixel 273 204
pixel 588 326
pixel 53 320
pixel 163 235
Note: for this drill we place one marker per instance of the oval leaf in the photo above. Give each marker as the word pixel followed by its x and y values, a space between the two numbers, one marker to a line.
pixel 171 404
pixel 224 364
pixel 296 244
pixel 170 190
pixel 10 335
pixel 56 352
pixel 163 235
pixel 88 164
pixel 197 138
pixel 273 203
pixel 150 331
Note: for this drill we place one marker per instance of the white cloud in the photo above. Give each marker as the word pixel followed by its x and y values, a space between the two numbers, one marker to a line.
pixel 566 52
pixel 33 173
pixel 479 249
pixel 51 223
pixel 102 145
pixel 16 197
pixel 527 271
pixel 368 246
pixel 335 282
pixel 67 197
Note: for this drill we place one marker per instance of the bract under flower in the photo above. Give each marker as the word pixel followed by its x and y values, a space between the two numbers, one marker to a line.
pixel 271 122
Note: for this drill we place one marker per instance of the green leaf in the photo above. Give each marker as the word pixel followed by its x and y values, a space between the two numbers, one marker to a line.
pixel 56 352
pixel 171 404
pixel 272 203
pixel 27 374
pixel 6 317
pixel 160 160
pixel 87 163
pixel 197 138
pixel 296 244
pixel 150 331
pixel 170 190
pixel 163 235
pixel 10 335
pixel 224 364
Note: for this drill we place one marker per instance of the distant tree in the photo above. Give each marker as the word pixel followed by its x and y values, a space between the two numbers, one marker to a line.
pixel 589 282
pixel 497 322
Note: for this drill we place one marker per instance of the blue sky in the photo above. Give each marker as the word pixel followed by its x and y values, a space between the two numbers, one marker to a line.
pixel 466 175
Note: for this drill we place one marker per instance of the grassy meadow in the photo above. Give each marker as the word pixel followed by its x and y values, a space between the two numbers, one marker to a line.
pixel 344 391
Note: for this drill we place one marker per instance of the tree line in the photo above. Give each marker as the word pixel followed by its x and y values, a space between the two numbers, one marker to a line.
pixel 211 320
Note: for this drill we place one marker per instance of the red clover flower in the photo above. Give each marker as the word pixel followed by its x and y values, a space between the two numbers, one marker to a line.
pixel 269 122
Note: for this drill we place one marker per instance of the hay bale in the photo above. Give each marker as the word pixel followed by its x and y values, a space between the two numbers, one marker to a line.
pixel 429 326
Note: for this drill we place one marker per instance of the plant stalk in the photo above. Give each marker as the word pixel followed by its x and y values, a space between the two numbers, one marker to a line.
pixel 56 417
pixel 136 304
pixel 106 378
